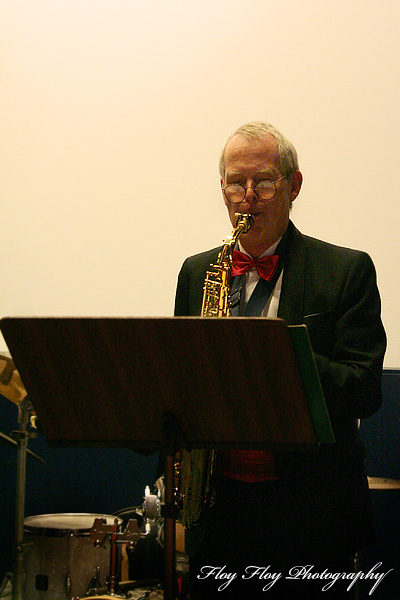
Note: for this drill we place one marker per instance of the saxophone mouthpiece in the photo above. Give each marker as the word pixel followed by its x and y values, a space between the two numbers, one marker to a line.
pixel 244 219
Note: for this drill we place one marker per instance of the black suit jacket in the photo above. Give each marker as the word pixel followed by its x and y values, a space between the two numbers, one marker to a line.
pixel 333 291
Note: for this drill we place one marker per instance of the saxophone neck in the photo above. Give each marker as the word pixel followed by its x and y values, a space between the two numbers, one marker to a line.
pixel 243 224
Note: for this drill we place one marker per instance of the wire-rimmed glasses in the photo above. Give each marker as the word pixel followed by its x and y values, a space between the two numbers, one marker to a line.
pixel 264 189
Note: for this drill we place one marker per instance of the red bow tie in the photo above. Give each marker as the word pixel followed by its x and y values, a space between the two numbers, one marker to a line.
pixel 266 265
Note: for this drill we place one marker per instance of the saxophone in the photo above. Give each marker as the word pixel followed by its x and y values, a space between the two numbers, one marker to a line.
pixel 193 469
pixel 216 297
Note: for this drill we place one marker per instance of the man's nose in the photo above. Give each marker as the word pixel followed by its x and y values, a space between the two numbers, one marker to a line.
pixel 250 194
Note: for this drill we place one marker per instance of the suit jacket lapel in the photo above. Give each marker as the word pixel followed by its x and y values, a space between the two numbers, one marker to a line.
pixel 292 294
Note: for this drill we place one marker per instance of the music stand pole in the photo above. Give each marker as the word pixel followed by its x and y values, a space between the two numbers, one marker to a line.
pixel 169 530
pixel 172 439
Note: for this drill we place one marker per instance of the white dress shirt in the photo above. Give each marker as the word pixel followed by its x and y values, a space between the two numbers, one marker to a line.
pixel 251 280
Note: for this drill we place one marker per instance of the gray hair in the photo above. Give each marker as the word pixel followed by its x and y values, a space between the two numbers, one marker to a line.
pixel 256 130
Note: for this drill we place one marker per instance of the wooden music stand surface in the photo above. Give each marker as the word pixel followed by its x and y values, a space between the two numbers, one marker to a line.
pixel 202 382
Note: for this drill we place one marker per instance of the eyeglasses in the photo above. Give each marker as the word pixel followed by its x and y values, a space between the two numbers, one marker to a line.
pixel 265 190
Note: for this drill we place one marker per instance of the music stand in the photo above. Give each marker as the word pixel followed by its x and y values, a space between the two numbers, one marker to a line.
pixel 206 383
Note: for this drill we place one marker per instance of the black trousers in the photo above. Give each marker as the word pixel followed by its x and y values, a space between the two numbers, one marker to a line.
pixel 257 544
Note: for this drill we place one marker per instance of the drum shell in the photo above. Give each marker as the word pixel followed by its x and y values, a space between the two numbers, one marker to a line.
pixel 60 550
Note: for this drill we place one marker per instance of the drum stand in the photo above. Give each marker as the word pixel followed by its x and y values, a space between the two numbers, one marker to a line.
pixel 130 536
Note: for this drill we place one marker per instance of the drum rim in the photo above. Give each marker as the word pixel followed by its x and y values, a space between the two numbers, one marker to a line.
pixel 63 531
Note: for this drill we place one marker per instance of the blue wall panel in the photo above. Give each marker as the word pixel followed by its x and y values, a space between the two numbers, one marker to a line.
pixel 381 435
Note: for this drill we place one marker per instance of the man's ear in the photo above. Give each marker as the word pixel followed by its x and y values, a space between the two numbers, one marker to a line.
pixel 297 180
pixel 222 190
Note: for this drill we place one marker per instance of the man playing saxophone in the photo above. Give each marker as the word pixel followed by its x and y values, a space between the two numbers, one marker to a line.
pixel 282 509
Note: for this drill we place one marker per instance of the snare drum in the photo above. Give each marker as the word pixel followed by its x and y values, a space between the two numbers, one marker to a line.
pixel 60 559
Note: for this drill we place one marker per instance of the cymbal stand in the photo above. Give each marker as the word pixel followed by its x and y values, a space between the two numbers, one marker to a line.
pixel 21 437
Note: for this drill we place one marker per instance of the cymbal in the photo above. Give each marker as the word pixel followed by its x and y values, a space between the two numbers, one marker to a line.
pixel 11 386
pixel 382 483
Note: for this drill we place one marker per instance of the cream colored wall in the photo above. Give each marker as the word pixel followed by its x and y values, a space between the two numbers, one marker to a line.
pixel 112 118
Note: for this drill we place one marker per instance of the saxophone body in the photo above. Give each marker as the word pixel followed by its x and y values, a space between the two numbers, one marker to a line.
pixel 194 468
